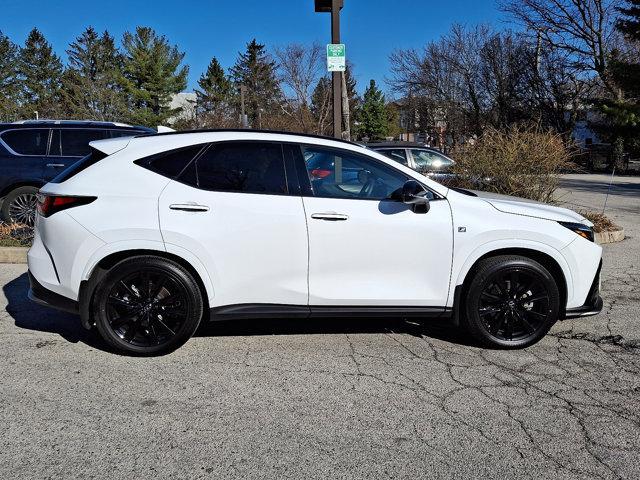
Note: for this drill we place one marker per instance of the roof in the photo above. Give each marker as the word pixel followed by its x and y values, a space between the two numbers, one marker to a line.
pixel 397 145
pixel 241 130
pixel 75 123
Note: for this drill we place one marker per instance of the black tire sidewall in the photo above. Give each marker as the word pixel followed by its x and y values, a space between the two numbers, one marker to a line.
pixel 132 265
pixel 485 271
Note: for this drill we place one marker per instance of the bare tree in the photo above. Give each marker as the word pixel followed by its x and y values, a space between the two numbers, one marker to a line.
pixel 299 68
pixel 582 28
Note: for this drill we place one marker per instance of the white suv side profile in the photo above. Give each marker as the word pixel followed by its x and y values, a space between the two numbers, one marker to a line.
pixel 149 236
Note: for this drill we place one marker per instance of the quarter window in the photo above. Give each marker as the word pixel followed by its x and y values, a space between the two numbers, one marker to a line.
pixel 170 163
pixel 27 141
pixel 342 174
pixel 248 167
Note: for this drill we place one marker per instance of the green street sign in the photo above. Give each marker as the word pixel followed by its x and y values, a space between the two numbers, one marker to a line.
pixel 336 57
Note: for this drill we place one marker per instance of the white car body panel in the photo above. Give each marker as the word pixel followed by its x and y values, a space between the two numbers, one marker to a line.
pixel 368 259
pixel 254 247
pixel 251 248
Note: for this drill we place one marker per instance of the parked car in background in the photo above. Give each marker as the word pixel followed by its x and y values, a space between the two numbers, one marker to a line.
pixel 251 224
pixel 426 160
pixel 32 152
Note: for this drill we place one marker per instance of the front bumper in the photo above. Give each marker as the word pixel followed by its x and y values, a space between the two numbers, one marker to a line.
pixel 39 294
pixel 593 305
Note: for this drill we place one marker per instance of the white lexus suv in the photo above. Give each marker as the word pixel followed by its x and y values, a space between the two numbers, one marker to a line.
pixel 149 236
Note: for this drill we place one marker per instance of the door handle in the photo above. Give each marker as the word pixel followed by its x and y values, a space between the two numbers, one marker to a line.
pixel 56 165
pixel 330 216
pixel 189 207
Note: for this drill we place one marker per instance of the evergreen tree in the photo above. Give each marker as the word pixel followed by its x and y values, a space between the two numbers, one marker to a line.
pixel 257 72
pixel 91 88
pixel 214 94
pixel 40 72
pixel 151 75
pixel 624 113
pixel 372 115
pixel 8 79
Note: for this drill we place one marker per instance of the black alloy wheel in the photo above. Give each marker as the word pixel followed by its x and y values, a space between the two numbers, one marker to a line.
pixel 512 302
pixel 148 305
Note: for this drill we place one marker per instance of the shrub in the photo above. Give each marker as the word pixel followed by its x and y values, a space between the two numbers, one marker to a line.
pixel 15 235
pixel 601 223
pixel 522 161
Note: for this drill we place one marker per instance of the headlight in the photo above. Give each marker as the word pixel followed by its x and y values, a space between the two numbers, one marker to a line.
pixel 581 229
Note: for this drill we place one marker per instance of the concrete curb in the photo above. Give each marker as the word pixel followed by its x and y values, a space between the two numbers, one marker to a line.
pixel 610 236
pixel 13 254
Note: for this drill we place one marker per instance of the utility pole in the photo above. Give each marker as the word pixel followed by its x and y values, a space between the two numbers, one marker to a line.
pixel 243 115
pixel 334 7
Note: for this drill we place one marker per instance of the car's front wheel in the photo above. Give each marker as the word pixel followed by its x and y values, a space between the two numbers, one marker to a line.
pixel 511 302
pixel 147 305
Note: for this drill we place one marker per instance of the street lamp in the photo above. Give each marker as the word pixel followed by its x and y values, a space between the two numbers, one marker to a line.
pixel 334 7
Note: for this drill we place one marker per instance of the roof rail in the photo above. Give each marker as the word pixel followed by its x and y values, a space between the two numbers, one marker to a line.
pixel 245 130
pixel 70 122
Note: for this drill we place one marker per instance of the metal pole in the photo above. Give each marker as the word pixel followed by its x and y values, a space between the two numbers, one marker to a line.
pixel 336 76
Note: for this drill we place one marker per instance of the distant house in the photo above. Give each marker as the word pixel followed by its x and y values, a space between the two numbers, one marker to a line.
pixel 186 101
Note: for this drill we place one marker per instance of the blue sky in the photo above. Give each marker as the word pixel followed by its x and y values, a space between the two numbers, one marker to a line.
pixel 371 28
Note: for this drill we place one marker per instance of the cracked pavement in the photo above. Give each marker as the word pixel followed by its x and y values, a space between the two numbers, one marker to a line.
pixel 344 398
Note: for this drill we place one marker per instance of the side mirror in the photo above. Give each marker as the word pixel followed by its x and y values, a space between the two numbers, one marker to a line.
pixel 415 195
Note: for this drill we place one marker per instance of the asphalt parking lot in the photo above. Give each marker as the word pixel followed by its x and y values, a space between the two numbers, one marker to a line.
pixel 332 399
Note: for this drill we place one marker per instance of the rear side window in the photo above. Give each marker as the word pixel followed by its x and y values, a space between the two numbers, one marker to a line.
pixel 27 141
pixel 247 167
pixel 94 157
pixel 170 163
pixel 125 133
pixel 75 142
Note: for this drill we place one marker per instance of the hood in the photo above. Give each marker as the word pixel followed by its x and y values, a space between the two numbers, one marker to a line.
pixel 530 208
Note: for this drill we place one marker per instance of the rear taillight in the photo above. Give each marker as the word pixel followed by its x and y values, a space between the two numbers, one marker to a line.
pixel 50 204
pixel 320 173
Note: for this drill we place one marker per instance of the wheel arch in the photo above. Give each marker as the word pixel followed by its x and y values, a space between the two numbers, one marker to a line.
pixel 23 183
pixel 553 262
pixel 104 264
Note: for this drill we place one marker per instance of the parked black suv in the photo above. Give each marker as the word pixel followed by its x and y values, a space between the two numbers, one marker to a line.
pixel 32 152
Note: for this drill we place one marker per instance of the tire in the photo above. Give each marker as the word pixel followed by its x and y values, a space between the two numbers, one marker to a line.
pixel 19 206
pixel 147 305
pixel 510 302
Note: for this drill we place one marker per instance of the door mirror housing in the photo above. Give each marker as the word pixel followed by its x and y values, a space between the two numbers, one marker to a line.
pixel 415 195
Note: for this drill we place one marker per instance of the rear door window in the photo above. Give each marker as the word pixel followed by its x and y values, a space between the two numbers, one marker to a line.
pixel 246 167
pixel 27 141
pixel 75 141
pixel 397 154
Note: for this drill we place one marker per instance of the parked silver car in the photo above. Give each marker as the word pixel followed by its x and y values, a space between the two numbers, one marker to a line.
pixel 423 159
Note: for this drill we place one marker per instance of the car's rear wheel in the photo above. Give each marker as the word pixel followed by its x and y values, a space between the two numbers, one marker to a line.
pixel 147 305
pixel 511 302
pixel 19 206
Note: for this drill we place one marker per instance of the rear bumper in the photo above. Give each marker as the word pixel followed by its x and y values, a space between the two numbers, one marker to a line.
pixel 39 294
pixel 593 305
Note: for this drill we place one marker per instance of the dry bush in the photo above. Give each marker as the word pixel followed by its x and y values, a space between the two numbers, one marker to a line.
pixel 601 223
pixel 15 235
pixel 522 161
